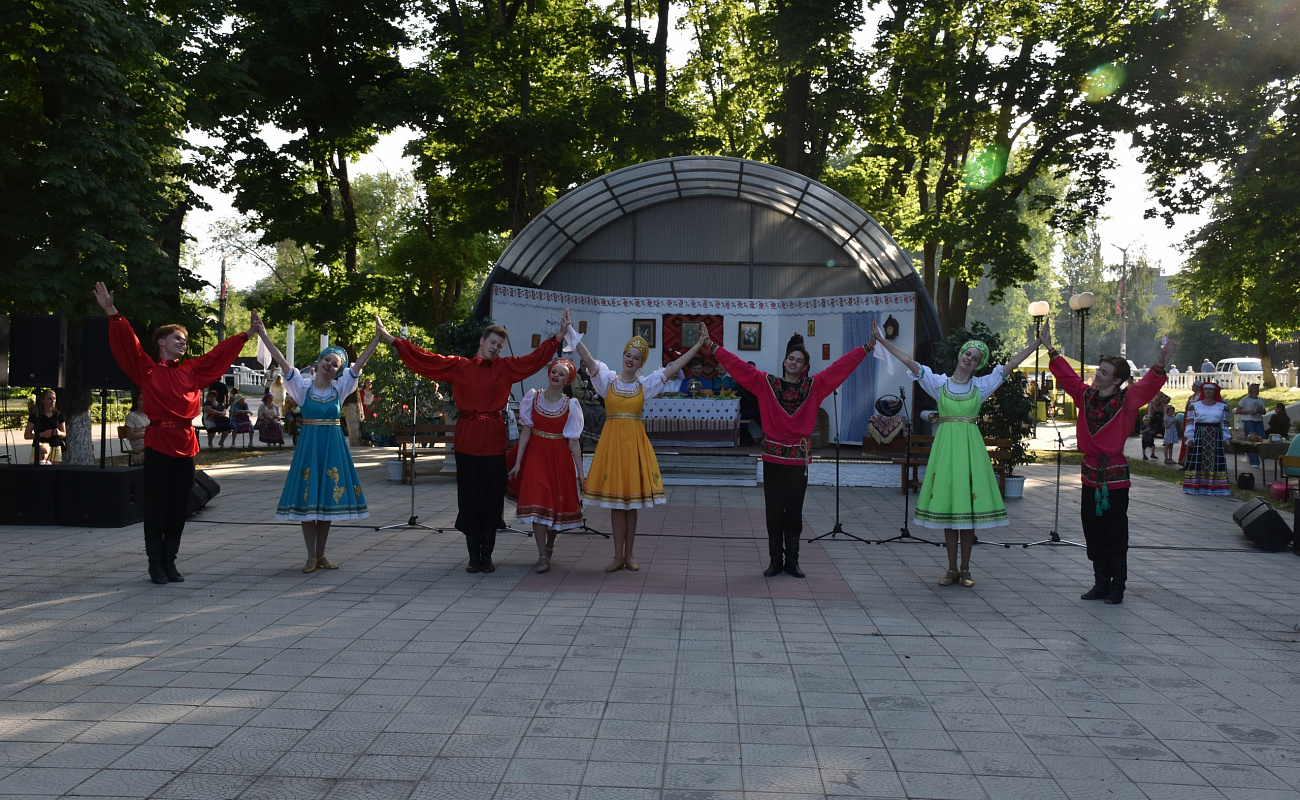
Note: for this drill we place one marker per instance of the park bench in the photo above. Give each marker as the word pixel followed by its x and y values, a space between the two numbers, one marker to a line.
pixel 427 440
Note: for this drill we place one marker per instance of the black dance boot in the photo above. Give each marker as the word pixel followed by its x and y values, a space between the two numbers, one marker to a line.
pixel 792 554
pixel 156 573
pixel 1100 587
pixel 1118 569
pixel 487 543
pixel 171 546
pixel 792 568
pixel 475 561
pixel 776 567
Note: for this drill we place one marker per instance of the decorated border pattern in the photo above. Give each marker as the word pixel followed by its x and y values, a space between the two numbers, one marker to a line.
pixel 518 295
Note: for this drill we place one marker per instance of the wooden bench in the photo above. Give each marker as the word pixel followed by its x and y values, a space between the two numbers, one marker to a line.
pixel 999 453
pixel 428 439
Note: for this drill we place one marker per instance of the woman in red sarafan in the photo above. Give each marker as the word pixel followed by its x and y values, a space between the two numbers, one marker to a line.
pixel 546 471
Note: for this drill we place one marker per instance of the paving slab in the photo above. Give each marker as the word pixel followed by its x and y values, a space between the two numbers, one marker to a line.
pixel 399 675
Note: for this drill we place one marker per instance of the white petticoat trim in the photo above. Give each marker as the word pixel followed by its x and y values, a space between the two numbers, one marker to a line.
pixel 658 501
pixel 939 526
pixel 319 518
pixel 533 520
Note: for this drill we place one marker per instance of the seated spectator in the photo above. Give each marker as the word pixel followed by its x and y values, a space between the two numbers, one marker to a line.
pixel 135 423
pixel 215 418
pixel 47 428
pixel 270 428
pixel 697 374
pixel 292 418
pixel 725 382
pixel 1279 423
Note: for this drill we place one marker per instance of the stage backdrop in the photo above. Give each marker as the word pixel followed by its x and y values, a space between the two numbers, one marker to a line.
pixel 756 330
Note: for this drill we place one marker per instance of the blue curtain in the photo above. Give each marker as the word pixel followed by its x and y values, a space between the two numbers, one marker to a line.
pixel 858 394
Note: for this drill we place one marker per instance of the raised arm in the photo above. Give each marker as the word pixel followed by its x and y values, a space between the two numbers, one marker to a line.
pixel 588 360
pixel 680 363
pixel 1031 344
pixel 896 351
pixel 105 299
pixel 370 350
pixel 1066 377
pixel 260 330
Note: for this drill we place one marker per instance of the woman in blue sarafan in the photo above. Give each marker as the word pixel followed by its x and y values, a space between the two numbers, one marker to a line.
pixel 323 485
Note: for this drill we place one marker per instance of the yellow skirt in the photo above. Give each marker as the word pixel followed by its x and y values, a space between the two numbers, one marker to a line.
pixel 624 472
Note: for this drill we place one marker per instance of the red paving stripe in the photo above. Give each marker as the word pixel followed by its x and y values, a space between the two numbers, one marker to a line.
pixel 697 550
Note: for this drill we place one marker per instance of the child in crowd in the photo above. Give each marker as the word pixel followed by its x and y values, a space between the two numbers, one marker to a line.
pixel 1171 433
pixel 1148 432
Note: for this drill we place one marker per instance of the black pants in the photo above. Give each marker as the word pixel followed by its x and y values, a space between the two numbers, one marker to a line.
pixel 168 482
pixel 784 486
pixel 481 500
pixel 1107 535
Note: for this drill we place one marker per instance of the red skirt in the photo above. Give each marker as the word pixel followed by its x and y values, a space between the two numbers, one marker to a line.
pixel 546 489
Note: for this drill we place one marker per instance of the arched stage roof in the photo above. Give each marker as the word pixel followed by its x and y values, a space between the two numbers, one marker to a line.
pixel 581 214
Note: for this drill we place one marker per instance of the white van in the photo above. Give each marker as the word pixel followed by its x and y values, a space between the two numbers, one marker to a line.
pixel 1235 373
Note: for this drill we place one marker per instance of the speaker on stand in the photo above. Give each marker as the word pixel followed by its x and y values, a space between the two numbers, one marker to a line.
pixel 37 350
pixel 99 370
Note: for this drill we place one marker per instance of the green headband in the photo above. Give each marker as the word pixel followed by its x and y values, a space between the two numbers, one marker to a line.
pixel 978 345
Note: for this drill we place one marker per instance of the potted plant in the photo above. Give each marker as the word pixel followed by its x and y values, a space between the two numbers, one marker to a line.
pixel 1009 413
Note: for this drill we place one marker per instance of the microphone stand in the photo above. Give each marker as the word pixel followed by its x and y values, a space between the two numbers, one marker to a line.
pixel 904 533
pixel 1052 536
pixel 838 529
pixel 413 522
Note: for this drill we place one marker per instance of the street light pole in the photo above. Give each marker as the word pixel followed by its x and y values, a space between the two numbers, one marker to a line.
pixel 1038 310
pixel 1123 306
pixel 1081 304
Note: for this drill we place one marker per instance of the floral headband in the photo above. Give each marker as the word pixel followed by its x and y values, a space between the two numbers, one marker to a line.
pixel 980 346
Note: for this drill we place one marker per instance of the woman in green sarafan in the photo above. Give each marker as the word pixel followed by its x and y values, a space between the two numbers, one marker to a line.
pixel 960 492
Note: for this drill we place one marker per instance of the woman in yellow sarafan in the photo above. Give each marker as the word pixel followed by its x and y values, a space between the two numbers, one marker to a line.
pixel 960 492
pixel 323 485
pixel 624 474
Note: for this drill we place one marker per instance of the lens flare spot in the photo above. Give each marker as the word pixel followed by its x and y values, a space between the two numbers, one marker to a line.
pixel 830 263
pixel 1102 82
pixel 986 167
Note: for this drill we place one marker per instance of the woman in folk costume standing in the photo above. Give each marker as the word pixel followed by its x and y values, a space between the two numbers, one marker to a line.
pixel 547 471
pixel 323 485
pixel 624 474
pixel 1106 415
pixel 789 406
pixel 960 492
pixel 1206 434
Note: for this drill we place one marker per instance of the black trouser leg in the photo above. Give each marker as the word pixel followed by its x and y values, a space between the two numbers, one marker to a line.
pixel 1107 537
pixel 784 486
pixel 481 500
pixel 168 482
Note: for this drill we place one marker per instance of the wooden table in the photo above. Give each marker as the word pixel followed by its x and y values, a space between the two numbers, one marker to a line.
pixel 1265 450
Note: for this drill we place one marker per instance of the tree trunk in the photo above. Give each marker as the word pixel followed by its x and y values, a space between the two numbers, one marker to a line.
pixel 78 447
pixel 629 62
pixel 661 57
pixel 798 87
pixel 340 172
pixel 1265 360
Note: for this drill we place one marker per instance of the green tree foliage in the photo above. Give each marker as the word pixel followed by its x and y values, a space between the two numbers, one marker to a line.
pixel 326 74
pixel 1243 266
pixel 520 102
pixel 92 109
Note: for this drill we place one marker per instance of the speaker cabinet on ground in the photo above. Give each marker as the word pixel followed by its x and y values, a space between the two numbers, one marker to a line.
pixel 99 370
pixel 91 497
pixel 29 495
pixel 204 490
pixel 37 350
pixel 1263 525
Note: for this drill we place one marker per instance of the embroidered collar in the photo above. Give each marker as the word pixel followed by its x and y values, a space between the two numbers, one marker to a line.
pixel 1100 410
pixel 790 396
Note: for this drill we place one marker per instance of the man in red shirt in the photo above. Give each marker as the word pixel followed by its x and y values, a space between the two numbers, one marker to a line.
pixel 480 387
pixel 171 394
pixel 1106 415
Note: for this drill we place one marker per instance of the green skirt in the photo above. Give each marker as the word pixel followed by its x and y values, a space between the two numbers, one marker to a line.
pixel 960 490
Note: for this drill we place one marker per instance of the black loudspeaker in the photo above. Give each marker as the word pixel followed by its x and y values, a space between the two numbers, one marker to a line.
pixel 91 497
pixel 37 350
pixel 99 370
pixel 4 349
pixel 1263 525
pixel 30 495
pixel 204 490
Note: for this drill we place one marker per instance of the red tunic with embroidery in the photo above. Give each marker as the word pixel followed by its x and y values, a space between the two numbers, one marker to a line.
pixel 480 388
pixel 171 392
pixel 789 409
pixel 1105 422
